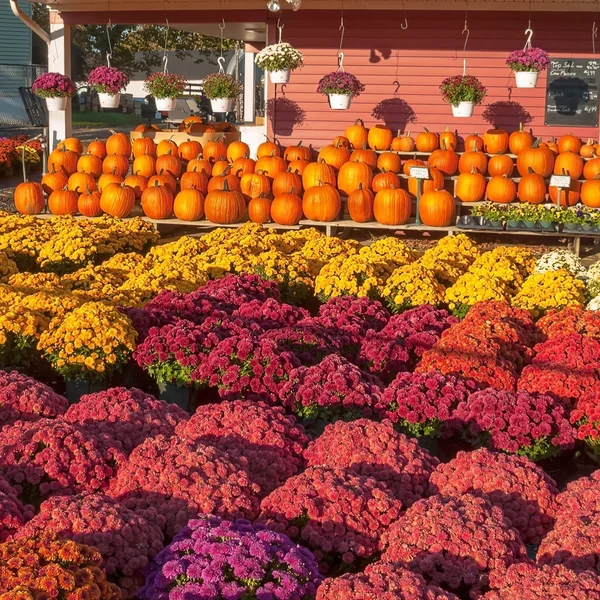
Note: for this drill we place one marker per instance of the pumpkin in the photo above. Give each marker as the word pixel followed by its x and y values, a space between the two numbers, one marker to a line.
pixel 352 175
pixel 97 148
pixel 201 165
pixel 341 140
pixel 157 202
pixel 318 172
pixel 88 204
pixel 532 188
pixel 335 156
pixel 225 207
pixel 253 185
pixel 221 167
pixel 385 181
pixel 143 147
pixel 448 140
pixel 474 143
pixel 427 141
pixel 268 149
pixel 435 182
pixel 72 144
pixel 168 147
pixel 193 180
pixel 392 207
pixel 568 163
pixel 149 127
pixel 369 157
pixel 242 166
pixel 551 145
pixel 214 151
pixel 54 180
pixel 118 144
pixel 591 169
pixel 321 203
pixel 144 165
pixel 412 162
pixel 539 159
pixel 237 150
pixel 444 160
pixel 500 164
pixel 568 197
pixel 108 178
pixel 357 134
pixel 189 149
pixel 286 181
pixel 569 143
pixel 380 137
pixel 88 163
pixel 286 209
pixel 298 166
pixel 437 209
pixel 189 205
pixel 501 189
pixel 191 119
pixel 137 183
pixel 588 150
pixel 470 187
pixel 79 182
pixel 170 163
pixel 29 198
pixel 590 192
pixel 63 202
pixel 519 140
pixel 271 165
pixel 495 141
pixel 117 200
pixel 116 163
pixel 165 179
pixel 63 160
pixel 473 159
pixel 220 182
pixel 389 161
pixel 360 205
pixel 259 209
pixel 298 152
pixel 403 143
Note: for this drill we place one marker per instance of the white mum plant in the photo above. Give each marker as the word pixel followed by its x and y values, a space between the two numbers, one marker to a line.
pixel 279 57
pixel 560 259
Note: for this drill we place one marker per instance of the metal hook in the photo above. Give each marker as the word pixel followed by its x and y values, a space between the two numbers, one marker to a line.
pixel 341 61
pixel 280 29
pixel 466 30
pixel 594 36
pixel 397 84
pixel 221 61
pixel 529 34
pixel 405 26
pixel 165 59
pixel 222 25
pixel 464 66
pixel 109 53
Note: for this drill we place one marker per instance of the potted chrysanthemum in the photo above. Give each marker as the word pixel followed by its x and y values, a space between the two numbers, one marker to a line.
pixel 279 60
pixel 463 92
pixel 55 88
pixel 340 87
pixel 108 82
pixel 165 88
pixel 222 90
pixel 527 64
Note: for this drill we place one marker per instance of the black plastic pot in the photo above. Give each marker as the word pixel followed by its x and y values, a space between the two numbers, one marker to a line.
pixel 176 394
pixel 75 388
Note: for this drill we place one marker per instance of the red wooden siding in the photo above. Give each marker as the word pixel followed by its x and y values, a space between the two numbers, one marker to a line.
pixel 380 53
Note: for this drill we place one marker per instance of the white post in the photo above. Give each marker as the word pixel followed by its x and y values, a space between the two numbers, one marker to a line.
pixel 249 87
pixel 59 61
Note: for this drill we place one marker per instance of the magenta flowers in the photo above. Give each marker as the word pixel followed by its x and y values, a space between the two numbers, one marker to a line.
pixel 53 85
pixel 340 82
pixel 528 59
pixel 107 80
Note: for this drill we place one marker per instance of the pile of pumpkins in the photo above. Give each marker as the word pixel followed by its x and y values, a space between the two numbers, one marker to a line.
pixel 223 184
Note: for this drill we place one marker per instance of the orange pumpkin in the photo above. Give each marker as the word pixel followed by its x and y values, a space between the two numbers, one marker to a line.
pixel 88 163
pixel 532 188
pixel 591 169
pixel 201 165
pixel 259 210
pixel 568 163
pixel 79 182
pixel 437 209
pixel 318 172
pixel 385 181
pixel 588 150
pixel 412 162
pixel 117 200
pixel 219 183
pixel 590 192
pixel 286 209
pixel 225 207
pixel 403 143
pixel 268 149
pixel 108 178
pixel 321 203
pixel 214 151
pixel 360 205
pixel 63 160
pixel 435 182
pixel 144 165
pixel 157 202
pixel 444 160
pixel 500 165
pixel 380 137
pixel 551 145
pixel 29 198
pixel 298 166
pixel 448 140
pixel 192 180
pixel 54 180
pixel 143 147
pixel 392 207
pixel 189 150
pixel 501 189
pixel 539 159
pixel 341 140
pixel 298 152
pixel 237 150
pixel 568 197
pixel 270 166
pixel 366 156
pixel 221 167
pixel 165 179
pixel 242 166
pixel 118 144
pixel 189 205
pixel 354 174
pixel 470 187
pixel 389 161
pixel 427 141
pixel 253 185
pixel 569 143
pixel 72 144
pixel 474 143
pixel 137 183
pixel 63 202
pixel 168 147
pixel 97 148
pixel 357 134
pixel 116 163
pixel 335 156
pixel 473 159
pixel 88 204
pixel 285 182
pixel 495 141
pixel 169 163
pixel 519 140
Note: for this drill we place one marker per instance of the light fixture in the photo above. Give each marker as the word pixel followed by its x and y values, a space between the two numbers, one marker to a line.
pixel 296 4
pixel 273 5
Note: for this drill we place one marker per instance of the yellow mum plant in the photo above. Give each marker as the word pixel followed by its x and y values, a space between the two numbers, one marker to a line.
pixel 345 275
pixel 451 257
pixel 20 330
pixel 319 251
pixel 410 286
pixel 52 304
pixel 23 244
pixel 8 267
pixel 390 250
pixel 475 287
pixel 35 281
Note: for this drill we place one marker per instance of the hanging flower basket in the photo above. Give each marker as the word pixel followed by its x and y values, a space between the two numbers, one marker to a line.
pixel 464 109
pixel 108 82
pixel 279 60
pixel 55 88
pixel 165 88
pixel 340 87
pixel 222 90
pixel 462 92
pixel 527 64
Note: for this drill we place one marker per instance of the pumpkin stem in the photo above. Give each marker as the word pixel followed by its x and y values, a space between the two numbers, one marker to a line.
pixel 536 144
pixel 520 126
pixel 299 144
pixel 156 183
pixel 360 187
pixel 425 129
pixel 226 186
pixel 292 189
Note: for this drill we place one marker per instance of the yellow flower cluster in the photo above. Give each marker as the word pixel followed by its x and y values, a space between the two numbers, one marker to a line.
pixel 8 267
pixel 35 281
pixel 319 251
pixel 32 156
pixel 553 289
pixel 450 257
pixel 56 303
pixel 475 287
pixel 20 329
pixel 352 275
pixel 412 285
pixel 92 341
pixel 390 250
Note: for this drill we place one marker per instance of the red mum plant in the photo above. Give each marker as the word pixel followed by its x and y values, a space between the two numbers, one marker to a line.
pixel 238 289
pixel 524 492
pixel 571 353
pixel 341 341
pixel 172 305
pixel 375 450
pixel 571 319
pixel 45 567
pixel 309 344
pixel 530 425
pixel 586 418
pixel 47 457
pixel 382 356
pixel 384 582
pixel 13 514
pixel 499 311
pixel 421 403
pixel 454 542
pixel 126 540
pixel 581 497
pixel 270 314
pixel 528 581
pixel 355 315
pixel 271 441
pixel 126 415
pixel 333 512
pixel 333 389
pixel 179 479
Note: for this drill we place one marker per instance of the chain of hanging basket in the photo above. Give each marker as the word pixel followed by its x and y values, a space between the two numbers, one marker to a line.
pixel 221 59
pixel 165 55
pixel 109 53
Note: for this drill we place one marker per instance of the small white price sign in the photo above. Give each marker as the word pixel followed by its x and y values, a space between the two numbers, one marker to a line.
pixel 560 181
pixel 419 172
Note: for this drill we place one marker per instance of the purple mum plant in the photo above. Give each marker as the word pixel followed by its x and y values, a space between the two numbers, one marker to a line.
pixel 53 85
pixel 340 82
pixel 528 59
pixel 107 80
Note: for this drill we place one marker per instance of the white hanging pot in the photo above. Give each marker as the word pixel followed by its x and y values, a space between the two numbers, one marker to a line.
pixel 282 76
pixel 526 79
pixel 222 105
pixel 464 109
pixel 165 104
pixel 109 100
pixel 56 104
pixel 340 101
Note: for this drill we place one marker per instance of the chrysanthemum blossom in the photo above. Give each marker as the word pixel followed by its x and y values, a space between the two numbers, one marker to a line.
pixel 580 497
pixel 13 514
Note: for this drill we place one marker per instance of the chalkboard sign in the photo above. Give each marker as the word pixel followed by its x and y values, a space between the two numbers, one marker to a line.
pixel 572 92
